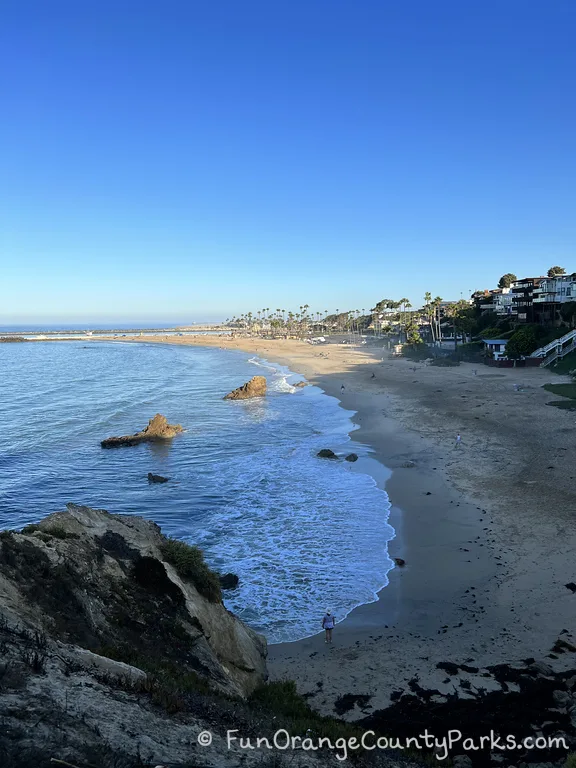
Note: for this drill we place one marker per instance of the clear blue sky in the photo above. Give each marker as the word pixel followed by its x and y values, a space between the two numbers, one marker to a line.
pixel 192 160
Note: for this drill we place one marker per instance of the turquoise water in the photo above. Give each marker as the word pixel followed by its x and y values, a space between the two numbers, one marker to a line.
pixel 303 534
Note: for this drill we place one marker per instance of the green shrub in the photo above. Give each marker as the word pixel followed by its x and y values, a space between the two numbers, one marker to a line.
pixel 491 333
pixel 58 532
pixel 190 565
pixel 522 343
pixel 166 684
pixel 565 390
pixel 416 352
pixel 444 362
pixel 570 761
pixel 281 699
pixel 28 530
pixel 472 352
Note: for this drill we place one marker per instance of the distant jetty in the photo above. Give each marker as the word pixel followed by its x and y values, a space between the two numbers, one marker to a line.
pixel 25 334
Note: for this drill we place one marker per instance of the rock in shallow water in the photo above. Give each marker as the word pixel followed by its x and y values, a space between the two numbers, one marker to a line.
pixel 256 387
pixel 326 453
pixel 157 478
pixel 157 429
pixel 352 457
pixel 229 581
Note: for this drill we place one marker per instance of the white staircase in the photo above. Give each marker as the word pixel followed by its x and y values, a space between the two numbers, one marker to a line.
pixel 557 349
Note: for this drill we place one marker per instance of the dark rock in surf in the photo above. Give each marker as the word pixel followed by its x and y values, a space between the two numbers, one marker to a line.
pixel 229 581
pixel 351 457
pixel 326 453
pixel 157 478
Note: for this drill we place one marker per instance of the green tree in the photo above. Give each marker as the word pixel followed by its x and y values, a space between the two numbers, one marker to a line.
pixel 506 280
pixel 556 271
pixel 522 343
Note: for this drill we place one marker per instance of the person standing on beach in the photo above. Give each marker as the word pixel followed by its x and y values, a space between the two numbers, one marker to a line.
pixel 458 441
pixel 342 389
pixel 328 623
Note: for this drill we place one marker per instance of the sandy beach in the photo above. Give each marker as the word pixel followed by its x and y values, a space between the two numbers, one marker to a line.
pixel 486 529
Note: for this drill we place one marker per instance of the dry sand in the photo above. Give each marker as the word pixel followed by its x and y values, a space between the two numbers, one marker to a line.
pixel 487 529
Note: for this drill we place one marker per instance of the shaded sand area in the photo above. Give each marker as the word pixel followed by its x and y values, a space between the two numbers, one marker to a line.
pixel 487 529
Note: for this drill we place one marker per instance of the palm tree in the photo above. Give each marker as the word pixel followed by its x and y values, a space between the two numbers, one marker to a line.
pixel 436 304
pixel 428 299
pixel 402 306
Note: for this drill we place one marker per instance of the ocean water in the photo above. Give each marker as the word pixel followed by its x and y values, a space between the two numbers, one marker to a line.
pixel 302 533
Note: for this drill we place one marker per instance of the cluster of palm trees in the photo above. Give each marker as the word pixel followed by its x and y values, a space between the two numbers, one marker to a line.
pixel 277 320
pixel 432 314
pixel 268 321
pixel 281 321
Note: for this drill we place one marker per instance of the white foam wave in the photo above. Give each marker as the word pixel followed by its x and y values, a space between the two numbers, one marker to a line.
pixel 301 533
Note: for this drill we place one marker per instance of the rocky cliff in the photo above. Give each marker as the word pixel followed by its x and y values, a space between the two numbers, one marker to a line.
pixel 116 651
pixel 115 585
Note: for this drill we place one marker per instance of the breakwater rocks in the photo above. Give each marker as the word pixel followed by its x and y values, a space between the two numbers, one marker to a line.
pixel 157 429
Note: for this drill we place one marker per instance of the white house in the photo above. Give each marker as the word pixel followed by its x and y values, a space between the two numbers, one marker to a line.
pixel 496 346
pixel 556 290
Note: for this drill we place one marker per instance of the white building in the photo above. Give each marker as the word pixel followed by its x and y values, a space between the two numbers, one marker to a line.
pixel 496 346
pixel 556 290
pixel 499 301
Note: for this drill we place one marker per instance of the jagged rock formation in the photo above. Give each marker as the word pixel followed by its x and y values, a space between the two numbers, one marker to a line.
pixel 157 429
pixel 300 384
pixel 256 387
pixel 114 585
pixel 9 339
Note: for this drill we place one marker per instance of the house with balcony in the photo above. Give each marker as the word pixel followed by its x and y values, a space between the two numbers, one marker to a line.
pixel 499 301
pixel 523 298
pixel 550 295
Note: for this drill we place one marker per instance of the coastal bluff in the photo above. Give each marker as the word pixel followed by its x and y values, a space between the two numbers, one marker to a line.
pixel 157 429
pixel 256 387
pixel 108 629
pixel 102 582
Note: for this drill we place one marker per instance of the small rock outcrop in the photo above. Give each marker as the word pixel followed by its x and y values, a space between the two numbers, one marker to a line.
pixel 300 384
pixel 326 453
pixel 157 478
pixel 229 581
pixel 399 561
pixel 157 429
pixel 351 457
pixel 256 387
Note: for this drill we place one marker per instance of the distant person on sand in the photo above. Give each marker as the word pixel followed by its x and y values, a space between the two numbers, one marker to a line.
pixel 328 624
pixel 342 389
pixel 458 442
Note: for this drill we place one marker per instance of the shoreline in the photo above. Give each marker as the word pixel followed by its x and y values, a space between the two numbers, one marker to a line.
pixel 478 587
